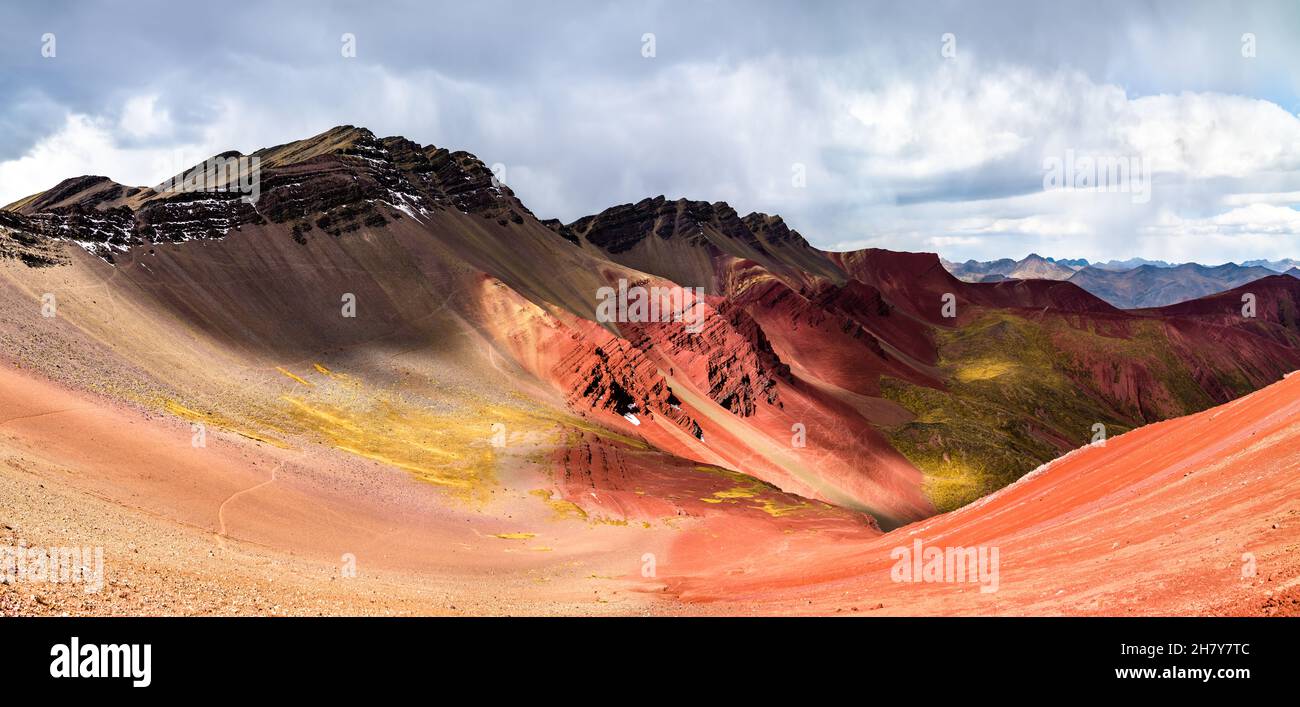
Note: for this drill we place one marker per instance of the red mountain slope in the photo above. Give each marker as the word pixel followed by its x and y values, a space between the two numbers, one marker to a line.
pixel 1197 515
pixel 836 377
pixel 390 328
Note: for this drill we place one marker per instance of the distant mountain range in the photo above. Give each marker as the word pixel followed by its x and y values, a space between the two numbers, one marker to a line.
pixel 1125 264
pixel 1135 283
pixel 1282 266
pixel 1033 267
pixel 388 346
pixel 228 313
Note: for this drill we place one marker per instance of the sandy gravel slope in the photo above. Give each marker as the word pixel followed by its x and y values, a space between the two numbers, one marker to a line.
pixel 1163 520
pixel 244 528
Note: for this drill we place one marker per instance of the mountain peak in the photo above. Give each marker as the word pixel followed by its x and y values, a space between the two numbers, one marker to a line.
pixel 87 191
pixel 341 139
pixel 337 180
pixel 622 227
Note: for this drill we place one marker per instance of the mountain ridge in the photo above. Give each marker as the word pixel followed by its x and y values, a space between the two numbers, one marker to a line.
pixel 909 407
pixel 1131 284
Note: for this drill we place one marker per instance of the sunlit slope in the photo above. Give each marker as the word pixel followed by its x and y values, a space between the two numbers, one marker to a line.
pixel 1192 516
pixel 871 380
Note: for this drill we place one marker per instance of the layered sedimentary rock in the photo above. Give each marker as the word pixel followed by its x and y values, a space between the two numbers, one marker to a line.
pixel 915 387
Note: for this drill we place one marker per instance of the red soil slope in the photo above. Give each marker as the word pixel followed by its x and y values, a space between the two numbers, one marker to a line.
pixel 764 439
pixel 1197 515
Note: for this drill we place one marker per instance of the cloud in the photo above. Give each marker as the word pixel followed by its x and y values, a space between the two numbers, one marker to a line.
pixel 142 118
pixel 1253 220
pixel 82 145
pixel 1213 135
pixel 1292 197
pixel 899 147
pixel 1244 233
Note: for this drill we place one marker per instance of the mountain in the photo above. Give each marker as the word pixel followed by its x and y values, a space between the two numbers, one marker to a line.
pixel 983 396
pixel 1129 284
pixel 1281 266
pixel 1032 267
pixel 1131 263
pixel 1152 286
pixel 387 348
pixel 1036 267
pixel 1192 491
pixel 432 250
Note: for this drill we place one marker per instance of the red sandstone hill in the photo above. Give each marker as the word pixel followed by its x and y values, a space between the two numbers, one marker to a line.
pixel 834 377
pixel 1022 372
pixel 389 352
pixel 1193 516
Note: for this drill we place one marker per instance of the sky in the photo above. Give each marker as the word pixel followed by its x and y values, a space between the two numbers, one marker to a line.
pixel 947 127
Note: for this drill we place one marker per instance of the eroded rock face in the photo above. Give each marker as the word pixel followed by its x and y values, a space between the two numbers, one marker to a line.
pixel 335 183
pixel 616 376
pixel 835 342
pixel 742 368
pixel 729 359
pixel 191 216
pixel 21 239
pixel 772 229
pixel 620 228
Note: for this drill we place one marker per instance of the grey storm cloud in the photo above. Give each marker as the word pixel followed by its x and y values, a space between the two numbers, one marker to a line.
pixel 898 149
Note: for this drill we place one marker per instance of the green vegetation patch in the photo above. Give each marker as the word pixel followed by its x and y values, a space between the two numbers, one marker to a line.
pixel 1022 392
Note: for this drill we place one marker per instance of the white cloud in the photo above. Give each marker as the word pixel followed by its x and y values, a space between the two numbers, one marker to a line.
pixel 948 158
pixel 955 119
pixel 82 146
pixel 142 118
pixel 1045 225
pixel 1205 135
pixel 1290 197
pixel 87 145
pixel 1253 220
